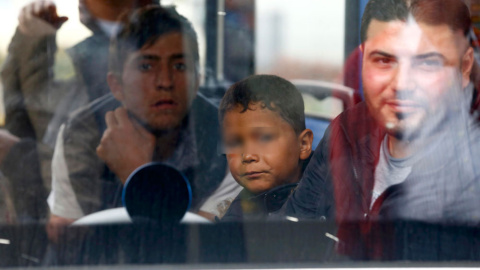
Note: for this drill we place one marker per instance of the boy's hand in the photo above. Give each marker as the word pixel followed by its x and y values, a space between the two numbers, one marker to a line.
pixel 40 18
pixel 125 144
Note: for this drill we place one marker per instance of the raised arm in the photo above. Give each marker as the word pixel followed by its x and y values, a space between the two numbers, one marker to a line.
pixel 30 95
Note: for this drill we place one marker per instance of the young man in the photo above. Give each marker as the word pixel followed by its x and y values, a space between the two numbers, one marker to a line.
pixel 411 150
pixel 266 143
pixel 36 103
pixel 154 114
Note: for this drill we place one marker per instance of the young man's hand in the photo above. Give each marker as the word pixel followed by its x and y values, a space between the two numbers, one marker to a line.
pixel 125 144
pixel 40 18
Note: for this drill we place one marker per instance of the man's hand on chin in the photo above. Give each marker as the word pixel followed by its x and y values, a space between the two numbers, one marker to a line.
pixel 125 144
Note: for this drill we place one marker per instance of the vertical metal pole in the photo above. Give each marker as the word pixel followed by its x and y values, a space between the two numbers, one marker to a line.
pixel 353 16
pixel 211 40
pixel 363 3
pixel 352 26
pixel 220 39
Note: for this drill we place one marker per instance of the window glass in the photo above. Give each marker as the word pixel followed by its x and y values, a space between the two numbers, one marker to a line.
pixel 301 39
pixel 239 133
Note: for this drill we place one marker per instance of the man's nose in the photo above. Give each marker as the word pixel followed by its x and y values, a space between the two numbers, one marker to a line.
pixel 164 79
pixel 404 80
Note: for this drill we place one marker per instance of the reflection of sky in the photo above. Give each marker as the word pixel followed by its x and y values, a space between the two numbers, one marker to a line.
pixel 307 30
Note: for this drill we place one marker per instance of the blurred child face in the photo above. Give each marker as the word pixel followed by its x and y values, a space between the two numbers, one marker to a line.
pixel 263 150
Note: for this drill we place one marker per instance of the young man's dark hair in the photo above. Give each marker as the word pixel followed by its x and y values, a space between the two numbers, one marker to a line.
pixel 143 27
pixel 272 92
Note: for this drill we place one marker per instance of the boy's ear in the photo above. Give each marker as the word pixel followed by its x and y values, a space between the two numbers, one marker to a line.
pixel 305 140
pixel 115 85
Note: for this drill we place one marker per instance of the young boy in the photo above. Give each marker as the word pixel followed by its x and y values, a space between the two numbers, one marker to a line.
pixel 266 143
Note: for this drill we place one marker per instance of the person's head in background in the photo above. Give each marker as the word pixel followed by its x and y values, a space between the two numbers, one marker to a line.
pixel 416 61
pixel 153 67
pixel 264 133
pixel 106 13
pixel 94 14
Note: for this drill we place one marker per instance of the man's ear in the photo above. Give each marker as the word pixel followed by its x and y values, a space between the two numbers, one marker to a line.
pixel 467 64
pixel 305 140
pixel 361 48
pixel 115 85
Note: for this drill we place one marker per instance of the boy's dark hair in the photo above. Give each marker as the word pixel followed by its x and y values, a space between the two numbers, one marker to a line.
pixel 272 92
pixel 143 27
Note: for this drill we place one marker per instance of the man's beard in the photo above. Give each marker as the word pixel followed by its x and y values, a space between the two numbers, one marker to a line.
pixel 435 119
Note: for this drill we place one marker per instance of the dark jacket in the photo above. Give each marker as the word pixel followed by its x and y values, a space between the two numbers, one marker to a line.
pixel 97 188
pixel 250 207
pixel 338 183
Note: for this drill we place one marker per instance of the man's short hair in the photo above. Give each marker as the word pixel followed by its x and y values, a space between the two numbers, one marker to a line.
pixel 143 27
pixel 269 91
pixel 384 11
pixel 453 13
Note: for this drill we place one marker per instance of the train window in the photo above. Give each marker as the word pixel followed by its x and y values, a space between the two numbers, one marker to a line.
pixel 237 134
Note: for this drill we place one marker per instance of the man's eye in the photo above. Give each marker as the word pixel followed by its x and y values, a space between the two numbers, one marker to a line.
pixel 145 66
pixel 383 61
pixel 180 66
pixel 429 64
